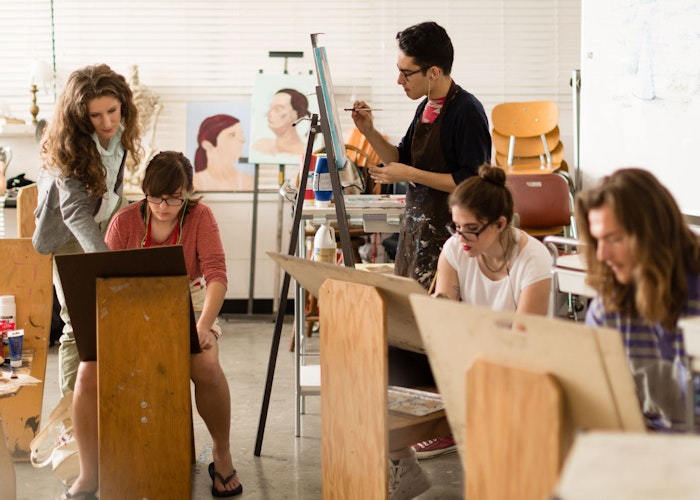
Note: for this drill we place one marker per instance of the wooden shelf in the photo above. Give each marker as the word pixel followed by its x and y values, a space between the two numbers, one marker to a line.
pixel 17 130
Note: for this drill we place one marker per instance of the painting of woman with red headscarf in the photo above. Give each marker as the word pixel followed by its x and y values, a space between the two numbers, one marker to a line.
pixel 219 147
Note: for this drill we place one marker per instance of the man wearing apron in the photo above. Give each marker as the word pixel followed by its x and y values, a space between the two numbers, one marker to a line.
pixel 447 141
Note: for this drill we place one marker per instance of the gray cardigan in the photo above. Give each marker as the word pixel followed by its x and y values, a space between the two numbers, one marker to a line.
pixel 64 209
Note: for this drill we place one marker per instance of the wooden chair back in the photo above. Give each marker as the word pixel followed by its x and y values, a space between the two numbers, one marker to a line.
pixel 525 134
pixel 525 119
pixel 543 202
pixel 27 198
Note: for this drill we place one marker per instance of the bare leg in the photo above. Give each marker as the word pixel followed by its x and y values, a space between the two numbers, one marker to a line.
pixel 85 426
pixel 214 405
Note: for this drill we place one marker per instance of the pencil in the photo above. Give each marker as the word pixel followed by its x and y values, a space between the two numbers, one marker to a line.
pixel 361 109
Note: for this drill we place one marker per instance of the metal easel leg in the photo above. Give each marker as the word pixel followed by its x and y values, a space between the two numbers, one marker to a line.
pixel 279 321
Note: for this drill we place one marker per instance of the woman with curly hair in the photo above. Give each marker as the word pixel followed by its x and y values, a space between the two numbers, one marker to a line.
pixel 644 263
pixel 94 127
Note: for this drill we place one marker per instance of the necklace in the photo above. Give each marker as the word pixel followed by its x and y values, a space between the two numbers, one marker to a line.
pixel 506 253
pixel 499 268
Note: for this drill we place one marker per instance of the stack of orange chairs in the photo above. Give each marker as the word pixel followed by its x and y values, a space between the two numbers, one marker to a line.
pixel 526 137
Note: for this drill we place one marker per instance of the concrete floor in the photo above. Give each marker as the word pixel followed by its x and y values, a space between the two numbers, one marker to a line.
pixel 289 467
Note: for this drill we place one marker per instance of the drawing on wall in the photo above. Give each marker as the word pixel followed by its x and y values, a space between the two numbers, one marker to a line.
pixel 658 50
pixel 217 145
pixel 640 91
pixel 278 102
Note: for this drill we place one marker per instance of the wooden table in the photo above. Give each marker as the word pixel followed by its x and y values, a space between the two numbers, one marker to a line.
pixel 10 387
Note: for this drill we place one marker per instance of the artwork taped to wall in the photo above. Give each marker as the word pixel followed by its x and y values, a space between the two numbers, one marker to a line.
pixel 217 146
pixel 278 102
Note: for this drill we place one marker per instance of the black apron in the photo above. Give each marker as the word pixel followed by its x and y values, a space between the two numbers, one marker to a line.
pixel 422 231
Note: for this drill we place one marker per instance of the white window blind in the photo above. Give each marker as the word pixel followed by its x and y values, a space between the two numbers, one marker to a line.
pixel 210 51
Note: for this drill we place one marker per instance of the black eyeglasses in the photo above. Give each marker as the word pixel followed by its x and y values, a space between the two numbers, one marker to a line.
pixel 467 235
pixel 173 202
pixel 407 74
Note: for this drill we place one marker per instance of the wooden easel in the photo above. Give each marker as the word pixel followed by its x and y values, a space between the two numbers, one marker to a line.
pixel 357 431
pixel 145 409
pixel 131 312
pixel 26 274
pixel 515 395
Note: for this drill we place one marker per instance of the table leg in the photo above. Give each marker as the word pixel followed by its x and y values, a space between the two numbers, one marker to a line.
pixel 8 485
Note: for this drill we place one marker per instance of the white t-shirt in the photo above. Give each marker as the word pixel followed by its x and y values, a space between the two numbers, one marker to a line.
pixel 532 264
pixel 112 160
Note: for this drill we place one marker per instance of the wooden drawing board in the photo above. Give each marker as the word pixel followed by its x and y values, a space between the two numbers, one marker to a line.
pixel 627 466
pixel 79 272
pixel 401 324
pixel 589 363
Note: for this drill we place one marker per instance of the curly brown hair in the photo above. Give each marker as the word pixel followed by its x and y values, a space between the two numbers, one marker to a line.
pixel 664 247
pixel 67 143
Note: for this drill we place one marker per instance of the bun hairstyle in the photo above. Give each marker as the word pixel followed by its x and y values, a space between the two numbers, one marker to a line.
pixel 485 195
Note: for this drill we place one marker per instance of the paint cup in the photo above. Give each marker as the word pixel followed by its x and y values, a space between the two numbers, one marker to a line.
pixel 16 339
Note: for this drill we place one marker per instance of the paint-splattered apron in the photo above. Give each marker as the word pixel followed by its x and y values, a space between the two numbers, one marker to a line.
pixel 423 232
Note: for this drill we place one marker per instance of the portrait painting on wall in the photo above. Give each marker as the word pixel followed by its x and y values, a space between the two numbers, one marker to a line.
pixel 279 101
pixel 217 146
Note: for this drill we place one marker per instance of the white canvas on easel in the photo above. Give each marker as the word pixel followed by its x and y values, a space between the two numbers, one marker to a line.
pixel 588 363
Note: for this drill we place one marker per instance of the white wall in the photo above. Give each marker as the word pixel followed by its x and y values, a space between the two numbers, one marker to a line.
pixel 640 97
pixel 192 51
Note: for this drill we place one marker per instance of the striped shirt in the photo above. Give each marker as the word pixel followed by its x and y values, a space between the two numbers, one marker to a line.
pixel 656 358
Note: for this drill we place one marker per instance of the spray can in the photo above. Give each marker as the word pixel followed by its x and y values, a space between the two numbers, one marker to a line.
pixel 309 196
pixel 8 314
pixel 323 189
pixel 324 244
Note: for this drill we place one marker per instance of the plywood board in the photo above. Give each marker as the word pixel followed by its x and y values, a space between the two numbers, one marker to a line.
pixel 144 387
pixel 588 363
pixel 515 432
pixel 629 466
pixel 79 271
pixel 401 324
pixel 354 439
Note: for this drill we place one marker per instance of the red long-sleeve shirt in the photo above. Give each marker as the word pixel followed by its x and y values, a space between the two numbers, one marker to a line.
pixel 201 241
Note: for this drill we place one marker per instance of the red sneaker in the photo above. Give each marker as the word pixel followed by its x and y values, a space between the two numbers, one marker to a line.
pixel 434 447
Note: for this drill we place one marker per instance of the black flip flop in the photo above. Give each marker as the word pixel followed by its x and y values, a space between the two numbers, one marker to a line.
pixel 224 481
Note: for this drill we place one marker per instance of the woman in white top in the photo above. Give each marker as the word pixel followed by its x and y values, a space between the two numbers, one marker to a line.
pixel 487 261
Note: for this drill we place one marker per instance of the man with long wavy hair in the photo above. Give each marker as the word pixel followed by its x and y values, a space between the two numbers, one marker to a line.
pixel 644 263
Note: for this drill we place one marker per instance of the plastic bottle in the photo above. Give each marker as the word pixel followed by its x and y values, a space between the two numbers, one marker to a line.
pixel 324 244
pixel 4 328
pixel 8 313
pixel 323 190
pixel 309 196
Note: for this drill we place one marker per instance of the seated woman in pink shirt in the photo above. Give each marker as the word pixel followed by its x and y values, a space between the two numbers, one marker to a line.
pixel 168 216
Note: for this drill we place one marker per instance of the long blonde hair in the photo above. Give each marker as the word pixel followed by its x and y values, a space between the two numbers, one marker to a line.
pixel 67 143
pixel 663 246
